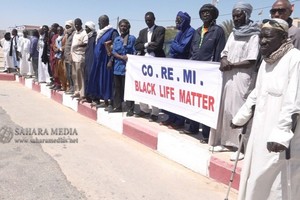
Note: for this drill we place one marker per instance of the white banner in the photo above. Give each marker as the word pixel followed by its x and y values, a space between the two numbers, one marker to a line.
pixel 185 87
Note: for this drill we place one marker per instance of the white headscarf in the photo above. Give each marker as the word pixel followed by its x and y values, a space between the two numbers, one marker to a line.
pixel 246 7
pixel 91 25
pixel 282 24
pixel 69 23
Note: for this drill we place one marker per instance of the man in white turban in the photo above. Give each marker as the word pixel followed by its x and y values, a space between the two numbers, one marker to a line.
pixel 90 25
pixel 271 168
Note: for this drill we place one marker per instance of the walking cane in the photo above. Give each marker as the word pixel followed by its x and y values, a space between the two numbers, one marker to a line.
pixel 236 161
pixel 287 158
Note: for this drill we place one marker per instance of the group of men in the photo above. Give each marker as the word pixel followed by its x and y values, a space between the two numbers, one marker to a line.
pixel 260 64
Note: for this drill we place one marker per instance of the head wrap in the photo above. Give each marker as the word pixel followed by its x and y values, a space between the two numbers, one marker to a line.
pixel 69 23
pixel 276 23
pixel 246 7
pixel 91 25
pixel 214 11
pixel 185 20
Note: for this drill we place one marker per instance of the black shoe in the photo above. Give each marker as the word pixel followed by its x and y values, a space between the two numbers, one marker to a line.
pixel 50 84
pixel 75 95
pixel 129 113
pixel 109 108
pixel 176 126
pixel 52 87
pixel 102 105
pixel 167 122
pixel 204 141
pixel 115 110
pixel 189 132
pixel 142 114
pixel 153 118
pixel 58 88
pixel 69 92
pixel 5 71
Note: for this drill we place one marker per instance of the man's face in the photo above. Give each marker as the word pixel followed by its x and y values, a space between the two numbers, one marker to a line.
pixel 102 23
pixel 281 9
pixel 123 27
pixel 87 29
pixel 60 30
pixel 78 25
pixel 270 40
pixel 238 17
pixel 149 20
pixel 45 29
pixel 53 28
pixel 178 21
pixel 206 15
pixel 14 32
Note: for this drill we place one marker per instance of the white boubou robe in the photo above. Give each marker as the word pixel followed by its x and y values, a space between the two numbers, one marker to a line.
pixel 265 175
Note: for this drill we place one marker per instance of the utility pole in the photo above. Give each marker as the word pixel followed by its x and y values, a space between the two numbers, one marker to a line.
pixel 117 23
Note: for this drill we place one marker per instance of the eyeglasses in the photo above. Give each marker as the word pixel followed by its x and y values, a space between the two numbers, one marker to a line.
pixel 273 23
pixel 279 10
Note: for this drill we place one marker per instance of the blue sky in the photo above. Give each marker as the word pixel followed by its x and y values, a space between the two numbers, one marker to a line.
pixel 34 12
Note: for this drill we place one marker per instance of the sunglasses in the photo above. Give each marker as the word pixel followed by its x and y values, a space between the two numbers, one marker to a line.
pixel 273 23
pixel 279 10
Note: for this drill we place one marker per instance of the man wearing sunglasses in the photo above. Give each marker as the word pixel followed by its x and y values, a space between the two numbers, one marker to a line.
pixel 283 9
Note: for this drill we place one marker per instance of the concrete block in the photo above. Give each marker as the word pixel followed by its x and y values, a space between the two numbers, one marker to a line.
pixel 185 150
pixel 86 110
pixel 69 102
pixel 141 131
pixel 45 90
pixel 113 121
pixel 7 77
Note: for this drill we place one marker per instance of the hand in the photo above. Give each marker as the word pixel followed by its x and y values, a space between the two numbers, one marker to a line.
pixel 109 64
pixel 125 58
pixel 275 147
pixel 225 65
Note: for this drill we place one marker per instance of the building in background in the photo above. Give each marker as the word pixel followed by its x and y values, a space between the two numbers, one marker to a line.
pixel 20 28
pixel 296 22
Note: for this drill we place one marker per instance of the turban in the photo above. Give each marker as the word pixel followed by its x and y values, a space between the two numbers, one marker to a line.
pixel 214 11
pixel 91 25
pixel 246 7
pixel 69 23
pixel 185 16
pixel 185 20
pixel 276 23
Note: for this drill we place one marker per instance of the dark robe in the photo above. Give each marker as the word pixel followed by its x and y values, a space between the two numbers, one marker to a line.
pixel 100 80
pixel 89 59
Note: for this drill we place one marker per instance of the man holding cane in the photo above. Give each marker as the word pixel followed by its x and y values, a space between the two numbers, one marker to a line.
pixel 267 173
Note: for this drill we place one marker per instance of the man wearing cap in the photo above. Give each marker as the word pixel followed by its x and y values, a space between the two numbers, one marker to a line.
pixel 283 9
pixel 272 161
pixel 207 43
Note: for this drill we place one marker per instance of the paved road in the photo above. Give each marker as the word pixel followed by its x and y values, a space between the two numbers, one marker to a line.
pixel 96 163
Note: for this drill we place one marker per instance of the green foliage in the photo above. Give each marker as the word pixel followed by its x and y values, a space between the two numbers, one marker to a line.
pixel 170 34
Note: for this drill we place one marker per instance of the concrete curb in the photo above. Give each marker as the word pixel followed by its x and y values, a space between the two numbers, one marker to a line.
pixel 181 148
